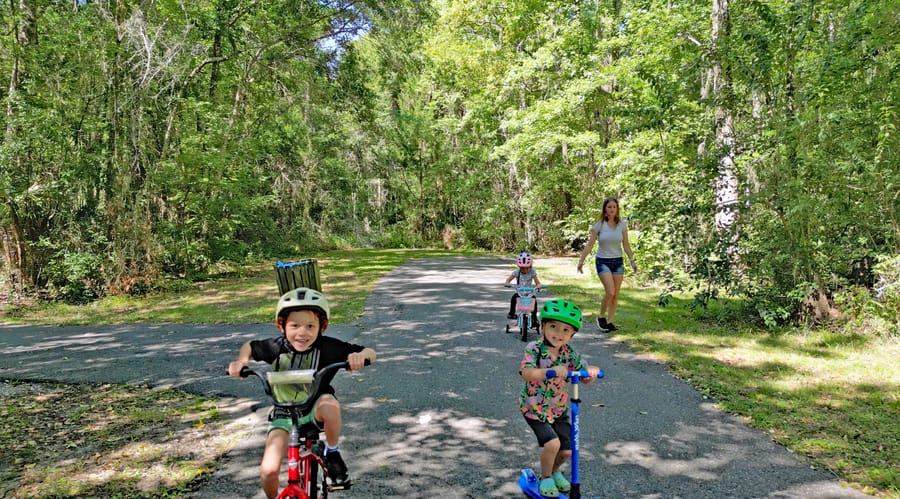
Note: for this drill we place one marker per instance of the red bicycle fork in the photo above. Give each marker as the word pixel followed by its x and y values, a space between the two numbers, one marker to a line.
pixel 300 457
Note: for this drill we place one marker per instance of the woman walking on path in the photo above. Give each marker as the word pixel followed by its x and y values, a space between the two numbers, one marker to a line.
pixel 611 235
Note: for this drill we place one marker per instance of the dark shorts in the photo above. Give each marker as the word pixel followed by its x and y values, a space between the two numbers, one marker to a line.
pixel 610 265
pixel 545 432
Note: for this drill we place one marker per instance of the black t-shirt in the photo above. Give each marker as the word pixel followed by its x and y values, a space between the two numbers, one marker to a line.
pixel 323 352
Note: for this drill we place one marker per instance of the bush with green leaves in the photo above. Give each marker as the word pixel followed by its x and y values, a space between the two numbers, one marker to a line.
pixel 76 277
pixel 874 310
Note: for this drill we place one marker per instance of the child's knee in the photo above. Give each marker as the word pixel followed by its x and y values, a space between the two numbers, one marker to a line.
pixel 328 408
pixel 566 453
pixel 552 446
pixel 269 472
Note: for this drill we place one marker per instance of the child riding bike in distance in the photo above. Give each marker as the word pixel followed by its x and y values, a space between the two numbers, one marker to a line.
pixel 543 400
pixel 302 317
pixel 525 275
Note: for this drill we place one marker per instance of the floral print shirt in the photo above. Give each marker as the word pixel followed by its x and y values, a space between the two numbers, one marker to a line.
pixel 547 400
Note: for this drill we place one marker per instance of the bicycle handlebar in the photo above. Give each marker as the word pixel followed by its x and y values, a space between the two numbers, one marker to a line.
pixel 319 379
pixel 526 289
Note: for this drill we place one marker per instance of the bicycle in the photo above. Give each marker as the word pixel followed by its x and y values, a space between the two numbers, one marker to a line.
pixel 525 307
pixel 305 449
pixel 528 480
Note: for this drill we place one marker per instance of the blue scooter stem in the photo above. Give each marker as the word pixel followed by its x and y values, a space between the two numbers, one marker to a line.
pixel 528 481
pixel 574 377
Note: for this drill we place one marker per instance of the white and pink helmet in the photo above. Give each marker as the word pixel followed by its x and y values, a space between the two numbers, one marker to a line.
pixel 524 260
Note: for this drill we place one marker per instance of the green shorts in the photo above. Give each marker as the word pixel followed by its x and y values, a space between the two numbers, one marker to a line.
pixel 285 423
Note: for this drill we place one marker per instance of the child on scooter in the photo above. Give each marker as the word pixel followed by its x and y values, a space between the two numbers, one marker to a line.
pixel 302 317
pixel 525 275
pixel 544 398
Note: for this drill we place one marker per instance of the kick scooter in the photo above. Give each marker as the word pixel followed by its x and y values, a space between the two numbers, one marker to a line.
pixel 529 481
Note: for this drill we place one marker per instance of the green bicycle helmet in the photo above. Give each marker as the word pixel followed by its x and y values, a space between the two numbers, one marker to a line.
pixel 563 311
pixel 303 299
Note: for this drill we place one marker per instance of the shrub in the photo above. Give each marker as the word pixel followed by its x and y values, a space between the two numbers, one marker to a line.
pixel 75 277
pixel 876 309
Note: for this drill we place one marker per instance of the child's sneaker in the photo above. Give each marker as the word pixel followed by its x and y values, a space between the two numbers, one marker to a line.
pixel 561 483
pixel 548 487
pixel 337 470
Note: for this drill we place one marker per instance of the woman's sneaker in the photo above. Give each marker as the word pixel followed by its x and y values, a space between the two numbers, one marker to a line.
pixel 337 470
pixel 611 327
pixel 601 323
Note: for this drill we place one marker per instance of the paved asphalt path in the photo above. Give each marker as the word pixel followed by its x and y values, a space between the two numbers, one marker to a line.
pixel 436 416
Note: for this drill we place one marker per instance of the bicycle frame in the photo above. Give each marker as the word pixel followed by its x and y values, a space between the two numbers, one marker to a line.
pixel 525 307
pixel 303 453
pixel 303 465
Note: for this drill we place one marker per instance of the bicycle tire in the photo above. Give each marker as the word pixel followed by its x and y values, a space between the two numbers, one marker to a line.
pixel 314 480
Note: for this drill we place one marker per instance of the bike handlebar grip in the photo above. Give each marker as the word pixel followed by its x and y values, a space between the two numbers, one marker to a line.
pixel 245 371
pixel 600 374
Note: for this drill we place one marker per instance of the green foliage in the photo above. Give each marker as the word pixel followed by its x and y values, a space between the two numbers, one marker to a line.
pixel 875 310
pixel 75 277
pixel 221 132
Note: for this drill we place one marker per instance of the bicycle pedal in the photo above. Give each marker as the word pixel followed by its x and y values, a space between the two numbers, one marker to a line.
pixel 333 487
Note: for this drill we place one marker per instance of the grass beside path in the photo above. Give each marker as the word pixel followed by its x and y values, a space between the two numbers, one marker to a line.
pixel 832 398
pixel 240 296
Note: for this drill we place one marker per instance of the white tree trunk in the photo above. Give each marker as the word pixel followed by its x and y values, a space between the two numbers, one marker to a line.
pixel 726 181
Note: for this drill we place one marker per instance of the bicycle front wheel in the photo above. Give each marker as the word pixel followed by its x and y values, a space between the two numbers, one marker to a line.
pixel 314 480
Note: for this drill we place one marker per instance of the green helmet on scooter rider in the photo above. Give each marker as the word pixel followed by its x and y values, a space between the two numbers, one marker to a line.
pixel 563 311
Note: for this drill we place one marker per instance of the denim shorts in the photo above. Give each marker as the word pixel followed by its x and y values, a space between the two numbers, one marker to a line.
pixel 610 265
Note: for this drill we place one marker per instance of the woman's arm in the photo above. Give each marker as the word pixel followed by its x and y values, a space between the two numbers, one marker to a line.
pixel 627 248
pixel 588 246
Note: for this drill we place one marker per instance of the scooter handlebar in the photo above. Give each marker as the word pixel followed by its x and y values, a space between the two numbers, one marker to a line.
pixel 583 373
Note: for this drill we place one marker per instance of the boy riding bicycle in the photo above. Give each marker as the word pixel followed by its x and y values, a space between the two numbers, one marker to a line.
pixel 302 317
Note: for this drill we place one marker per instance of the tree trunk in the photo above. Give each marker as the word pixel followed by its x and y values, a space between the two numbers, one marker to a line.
pixel 14 247
pixel 719 79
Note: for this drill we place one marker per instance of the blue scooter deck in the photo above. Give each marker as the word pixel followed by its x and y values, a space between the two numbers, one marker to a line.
pixel 531 486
